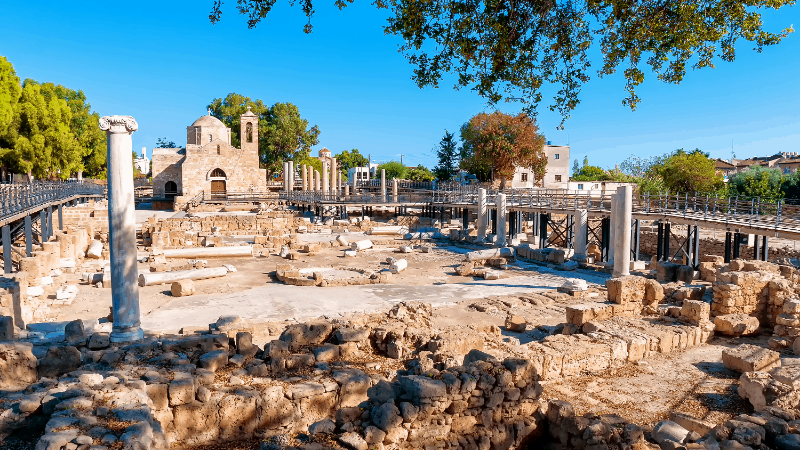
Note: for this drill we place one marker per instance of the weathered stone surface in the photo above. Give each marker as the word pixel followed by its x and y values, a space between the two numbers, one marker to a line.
pixel 182 288
pixel 749 358
pixel 735 324
pixel 627 289
pixel 423 387
pixel 17 365
pixel 695 311
pixel 517 324
pixel 7 332
pixel 386 416
pixel 354 385
pixel 761 389
pixel 59 360
pixel 353 441
pixel 181 391
pixel 345 334
pixel 326 426
pixel 98 341
pixel 74 333
pixel 309 333
pixel 668 430
pixel 213 360
pixel 653 292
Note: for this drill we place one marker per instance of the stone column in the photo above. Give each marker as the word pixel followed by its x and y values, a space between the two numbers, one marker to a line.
pixel 347 190
pixel 622 242
pixel 325 174
pixel 333 175
pixel 502 217
pixel 581 235
pixel 303 174
pixel 311 185
pixel 291 176
pixel 483 210
pixel 285 178
pixel 122 229
pixel 316 180
pixel 383 185
pixel 394 191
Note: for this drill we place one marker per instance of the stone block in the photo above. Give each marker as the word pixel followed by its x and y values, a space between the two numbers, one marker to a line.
pixel 159 394
pixel 749 358
pixel 517 324
pixel 761 389
pixel 182 288
pixel 653 292
pixel 666 272
pixel 74 333
pixel 181 391
pixel 736 324
pixel 7 331
pixel 685 274
pixel 17 365
pixel 695 311
pixel 213 360
pixel 59 360
pixel 309 333
pixel 626 289
pixel 98 341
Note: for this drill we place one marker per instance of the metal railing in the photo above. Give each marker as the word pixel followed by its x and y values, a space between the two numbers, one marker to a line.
pixel 16 199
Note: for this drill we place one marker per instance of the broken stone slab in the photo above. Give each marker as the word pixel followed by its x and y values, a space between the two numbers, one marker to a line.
pixel 154 278
pixel 749 358
pixel 67 292
pixel 695 310
pixel 342 241
pixel 491 275
pixel 284 251
pixel 74 332
pixel 691 423
pixel 309 333
pixel 480 255
pixel 208 252
pixel 406 249
pixel 736 324
pixel 575 284
pixel 668 430
pixel 389 230
pixel 182 288
pixel 398 266
pixel 213 360
pixel 626 289
pixel 59 360
pixel 761 389
pixel 17 365
pixel 95 250
pixel 517 324
pixel 350 253
pixel 361 245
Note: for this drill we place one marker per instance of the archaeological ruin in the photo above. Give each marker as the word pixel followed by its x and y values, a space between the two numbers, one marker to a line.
pixel 392 315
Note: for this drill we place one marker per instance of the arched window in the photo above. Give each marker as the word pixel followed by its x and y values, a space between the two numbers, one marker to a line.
pixel 217 173
pixel 249 132
pixel 218 150
pixel 210 138
pixel 170 189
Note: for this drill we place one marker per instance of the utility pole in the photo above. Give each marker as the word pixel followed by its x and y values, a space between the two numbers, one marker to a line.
pixel 401 159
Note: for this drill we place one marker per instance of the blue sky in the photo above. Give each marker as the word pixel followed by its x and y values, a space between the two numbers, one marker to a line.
pixel 163 62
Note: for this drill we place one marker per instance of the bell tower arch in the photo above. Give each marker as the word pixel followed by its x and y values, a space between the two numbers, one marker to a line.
pixel 248 131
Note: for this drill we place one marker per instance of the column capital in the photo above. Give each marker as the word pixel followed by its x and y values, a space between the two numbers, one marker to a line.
pixel 118 124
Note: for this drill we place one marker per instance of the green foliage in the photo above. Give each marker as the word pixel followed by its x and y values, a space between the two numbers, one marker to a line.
pixel 447 152
pixel 480 168
pixel 282 133
pixel 575 167
pixel 591 173
pixel 421 173
pixel 510 50
pixel 691 173
pixel 10 91
pixel 791 185
pixel 349 159
pixel 757 181
pixel 393 170
pixel 309 161
pixel 164 143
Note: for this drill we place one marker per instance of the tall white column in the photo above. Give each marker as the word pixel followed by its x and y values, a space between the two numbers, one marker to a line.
pixel 383 185
pixel 311 185
pixel 325 174
pixel 581 235
pixel 622 244
pixel 502 214
pixel 291 176
pixel 333 175
pixel 394 191
pixel 285 177
pixel 347 190
pixel 305 180
pixel 316 180
pixel 482 212
pixel 122 229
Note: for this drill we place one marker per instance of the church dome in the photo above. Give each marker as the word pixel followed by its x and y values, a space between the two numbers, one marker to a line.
pixel 325 153
pixel 208 121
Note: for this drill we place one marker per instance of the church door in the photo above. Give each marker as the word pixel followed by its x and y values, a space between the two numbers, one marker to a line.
pixel 217 189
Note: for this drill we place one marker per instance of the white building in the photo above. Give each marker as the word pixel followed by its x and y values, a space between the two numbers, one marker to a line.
pixel 357 174
pixel 556 173
pixel 142 164
pixel 596 187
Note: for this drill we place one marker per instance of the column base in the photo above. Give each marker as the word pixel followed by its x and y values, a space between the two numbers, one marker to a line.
pixel 126 336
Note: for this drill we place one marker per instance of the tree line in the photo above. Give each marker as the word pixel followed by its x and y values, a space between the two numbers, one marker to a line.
pixel 693 172
pixel 47 130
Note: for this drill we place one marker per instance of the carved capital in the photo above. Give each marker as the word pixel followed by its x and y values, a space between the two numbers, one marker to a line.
pixel 118 124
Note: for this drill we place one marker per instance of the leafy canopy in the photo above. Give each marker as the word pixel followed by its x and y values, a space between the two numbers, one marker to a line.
pixel 164 143
pixel 393 170
pixel 421 173
pixel 510 50
pixel 691 173
pixel 757 181
pixel 504 142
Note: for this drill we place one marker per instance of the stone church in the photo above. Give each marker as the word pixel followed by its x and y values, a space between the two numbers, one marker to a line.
pixel 210 164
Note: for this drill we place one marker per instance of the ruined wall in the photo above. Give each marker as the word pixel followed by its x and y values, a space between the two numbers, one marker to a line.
pixel 167 167
pixel 240 166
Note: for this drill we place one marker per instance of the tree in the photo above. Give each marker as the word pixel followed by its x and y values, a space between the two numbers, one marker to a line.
pixel 591 173
pixel 164 143
pixel 757 181
pixel 420 173
pixel 791 185
pixel 690 173
pixel 480 168
pixel 510 50
pixel 506 142
pixel 349 159
pixel 393 170
pixel 575 167
pixel 447 152
pixel 282 133
pixel 10 92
